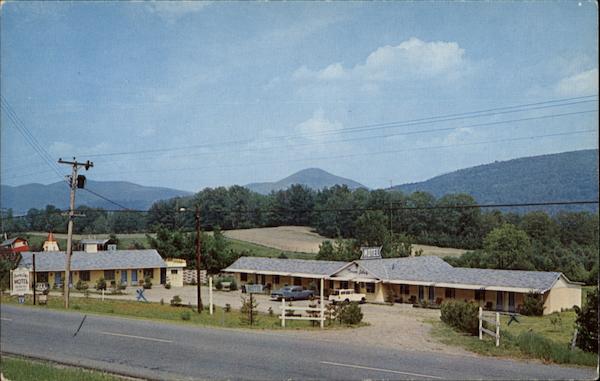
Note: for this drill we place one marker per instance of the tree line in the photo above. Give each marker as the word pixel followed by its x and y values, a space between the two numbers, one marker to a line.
pixel 565 241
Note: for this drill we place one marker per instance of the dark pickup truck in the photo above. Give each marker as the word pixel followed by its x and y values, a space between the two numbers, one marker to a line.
pixel 292 293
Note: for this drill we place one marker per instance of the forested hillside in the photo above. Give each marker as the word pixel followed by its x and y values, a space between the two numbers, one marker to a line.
pixel 563 176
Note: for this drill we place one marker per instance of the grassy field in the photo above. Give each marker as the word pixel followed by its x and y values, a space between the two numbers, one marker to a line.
pixel 264 251
pixel 165 312
pixel 18 369
pixel 559 335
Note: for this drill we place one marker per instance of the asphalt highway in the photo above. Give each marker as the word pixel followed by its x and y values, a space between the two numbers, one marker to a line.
pixel 149 349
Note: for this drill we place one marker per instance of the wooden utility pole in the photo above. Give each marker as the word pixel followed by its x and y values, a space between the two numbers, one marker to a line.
pixel 34 284
pixel 73 187
pixel 198 283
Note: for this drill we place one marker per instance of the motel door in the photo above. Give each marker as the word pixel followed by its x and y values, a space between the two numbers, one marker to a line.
pixel 58 277
pixel 421 293
pixel 134 277
pixel 511 302
pixel 163 276
pixel 499 300
pixel 124 277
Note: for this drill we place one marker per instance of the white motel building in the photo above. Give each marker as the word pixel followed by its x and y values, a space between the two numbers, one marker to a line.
pixel 413 280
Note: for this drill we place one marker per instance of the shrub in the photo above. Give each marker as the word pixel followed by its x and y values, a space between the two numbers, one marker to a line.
pixel 122 286
pixel 81 286
pixel 168 286
pixel 76 307
pixel 176 301
pixel 147 283
pixel 248 310
pixel 463 316
pixel 351 314
pixel 533 305
pixel 271 313
pixel 227 307
pixel 587 323
pixel 101 284
pixel 162 302
pixel 231 280
pixel 555 320
pixel 185 315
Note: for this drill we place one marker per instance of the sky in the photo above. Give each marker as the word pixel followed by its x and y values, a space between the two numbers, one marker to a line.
pixel 189 95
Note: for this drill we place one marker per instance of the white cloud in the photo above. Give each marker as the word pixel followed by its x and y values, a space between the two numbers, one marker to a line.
pixel 172 10
pixel 411 59
pixel 583 83
pixel 318 127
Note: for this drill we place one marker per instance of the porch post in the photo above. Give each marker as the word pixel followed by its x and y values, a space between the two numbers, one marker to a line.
pixel 322 304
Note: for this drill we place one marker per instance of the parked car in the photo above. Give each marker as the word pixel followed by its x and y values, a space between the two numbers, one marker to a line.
pixel 292 293
pixel 346 295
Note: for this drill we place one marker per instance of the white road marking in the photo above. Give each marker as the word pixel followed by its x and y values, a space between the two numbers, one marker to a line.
pixel 7 319
pixel 137 337
pixel 379 369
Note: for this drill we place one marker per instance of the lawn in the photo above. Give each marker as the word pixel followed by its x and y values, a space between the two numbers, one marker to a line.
pixel 560 333
pixel 264 251
pixel 17 369
pixel 165 312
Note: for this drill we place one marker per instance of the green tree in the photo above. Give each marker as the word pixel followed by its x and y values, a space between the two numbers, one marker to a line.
pixel 508 248
pixel 587 323
pixel 540 227
pixel 372 228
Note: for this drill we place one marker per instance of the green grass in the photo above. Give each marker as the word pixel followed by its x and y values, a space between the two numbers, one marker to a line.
pixel 533 337
pixel 265 251
pixel 157 311
pixel 17 369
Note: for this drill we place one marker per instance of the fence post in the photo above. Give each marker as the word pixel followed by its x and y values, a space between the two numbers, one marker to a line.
pixel 322 305
pixel 574 341
pixel 102 294
pixel 283 312
pixel 497 329
pixel 210 295
pixel 480 323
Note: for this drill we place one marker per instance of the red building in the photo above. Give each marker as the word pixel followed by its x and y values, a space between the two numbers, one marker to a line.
pixel 15 245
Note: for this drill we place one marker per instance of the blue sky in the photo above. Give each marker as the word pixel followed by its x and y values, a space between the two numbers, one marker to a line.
pixel 194 94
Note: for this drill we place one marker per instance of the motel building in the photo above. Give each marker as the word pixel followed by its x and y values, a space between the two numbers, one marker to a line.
pixel 125 267
pixel 413 280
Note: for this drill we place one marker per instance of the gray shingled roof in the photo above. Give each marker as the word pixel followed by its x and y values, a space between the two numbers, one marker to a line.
pixel 94 241
pixel 436 270
pixel 103 260
pixel 428 269
pixel 9 242
pixel 303 266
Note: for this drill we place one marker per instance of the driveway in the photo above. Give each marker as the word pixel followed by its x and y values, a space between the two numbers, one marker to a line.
pixel 398 327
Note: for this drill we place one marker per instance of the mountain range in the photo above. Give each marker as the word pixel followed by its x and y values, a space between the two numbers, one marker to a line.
pixel 313 178
pixel 23 197
pixel 555 177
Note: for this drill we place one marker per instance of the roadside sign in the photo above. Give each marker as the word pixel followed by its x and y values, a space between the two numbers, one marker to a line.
pixel 20 281
pixel 254 288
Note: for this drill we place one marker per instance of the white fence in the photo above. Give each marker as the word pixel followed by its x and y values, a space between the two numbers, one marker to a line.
pixel 495 322
pixel 309 310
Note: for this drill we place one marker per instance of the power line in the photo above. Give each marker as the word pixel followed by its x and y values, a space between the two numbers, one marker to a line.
pixel 342 210
pixel 358 154
pixel 386 125
pixel 362 138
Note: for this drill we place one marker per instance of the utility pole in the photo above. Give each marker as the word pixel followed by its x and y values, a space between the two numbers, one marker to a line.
pixel 74 183
pixel 391 196
pixel 198 285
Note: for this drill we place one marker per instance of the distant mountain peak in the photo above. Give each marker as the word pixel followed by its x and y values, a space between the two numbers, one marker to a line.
pixel 314 178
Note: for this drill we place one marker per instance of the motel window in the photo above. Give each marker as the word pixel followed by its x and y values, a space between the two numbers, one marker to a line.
pixel 243 277
pixel 331 284
pixel 479 295
pixel 109 274
pixel 370 288
pixel 276 279
pixel 148 273
pixel 173 271
pixel 42 277
pixel 84 276
pixel 344 284
pixel 404 289
pixel 450 293
pixel 431 293
pixel 297 281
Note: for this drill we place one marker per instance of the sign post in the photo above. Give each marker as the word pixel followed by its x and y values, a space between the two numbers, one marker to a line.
pixel 210 295
pixel 253 289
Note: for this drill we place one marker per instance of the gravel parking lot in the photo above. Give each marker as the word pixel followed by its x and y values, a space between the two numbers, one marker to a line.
pixel 398 326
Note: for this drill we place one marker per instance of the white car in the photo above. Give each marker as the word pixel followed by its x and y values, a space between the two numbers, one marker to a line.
pixel 346 296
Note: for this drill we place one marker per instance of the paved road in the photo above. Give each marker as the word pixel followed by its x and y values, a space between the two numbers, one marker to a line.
pixel 169 351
